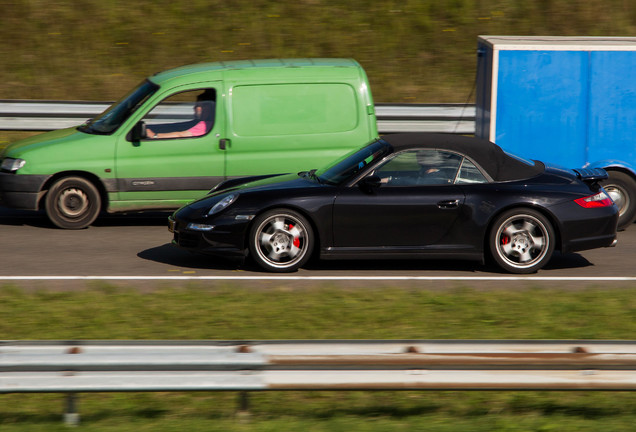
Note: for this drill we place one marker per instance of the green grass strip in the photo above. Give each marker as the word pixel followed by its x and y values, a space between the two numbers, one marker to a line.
pixel 228 311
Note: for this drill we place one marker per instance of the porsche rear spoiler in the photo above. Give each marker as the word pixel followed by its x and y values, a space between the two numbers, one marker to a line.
pixel 591 175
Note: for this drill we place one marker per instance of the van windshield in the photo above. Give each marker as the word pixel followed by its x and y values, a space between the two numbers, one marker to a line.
pixel 108 121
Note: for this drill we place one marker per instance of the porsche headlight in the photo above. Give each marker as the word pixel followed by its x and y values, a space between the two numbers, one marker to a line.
pixel 11 164
pixel 225 202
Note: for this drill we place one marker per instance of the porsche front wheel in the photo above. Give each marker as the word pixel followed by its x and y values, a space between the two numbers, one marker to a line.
pixel 281 240
pixel 522 241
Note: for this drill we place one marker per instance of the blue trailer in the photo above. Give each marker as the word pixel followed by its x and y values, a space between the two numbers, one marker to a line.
pixel 564 100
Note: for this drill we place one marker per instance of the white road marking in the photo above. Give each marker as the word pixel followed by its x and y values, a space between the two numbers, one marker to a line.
pixel 330 278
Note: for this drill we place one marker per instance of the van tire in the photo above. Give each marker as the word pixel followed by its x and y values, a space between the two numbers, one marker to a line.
pixel 622 188
pixel 72 203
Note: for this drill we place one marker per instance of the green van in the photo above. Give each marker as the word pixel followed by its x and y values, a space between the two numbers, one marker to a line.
pixel 182 131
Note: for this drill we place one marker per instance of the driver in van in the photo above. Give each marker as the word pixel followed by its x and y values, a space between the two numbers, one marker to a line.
pixel 202 112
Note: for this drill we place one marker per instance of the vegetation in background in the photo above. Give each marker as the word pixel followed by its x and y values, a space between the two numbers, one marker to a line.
pixel 413 50
pixel 7 137
pixel 234 312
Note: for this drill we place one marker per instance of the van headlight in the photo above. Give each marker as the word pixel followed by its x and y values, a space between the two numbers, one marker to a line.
pixel 225 202
pixel 11 164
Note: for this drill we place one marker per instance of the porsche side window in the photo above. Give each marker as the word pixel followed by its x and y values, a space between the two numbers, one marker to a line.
pixel 469 173
pixel 420 167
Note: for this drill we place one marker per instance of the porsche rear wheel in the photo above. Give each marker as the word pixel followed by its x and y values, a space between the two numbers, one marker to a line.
pixel 281 240
pixel 522 241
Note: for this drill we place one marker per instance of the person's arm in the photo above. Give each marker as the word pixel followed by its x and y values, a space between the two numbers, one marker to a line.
pixel 181 134
pixel 196 130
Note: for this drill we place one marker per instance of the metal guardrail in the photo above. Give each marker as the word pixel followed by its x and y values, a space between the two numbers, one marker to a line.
pixel 32 115
pixel 446 118
pixel 122 366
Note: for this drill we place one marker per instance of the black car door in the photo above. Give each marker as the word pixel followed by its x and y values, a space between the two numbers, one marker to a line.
pixel 415 205
pixel 395 216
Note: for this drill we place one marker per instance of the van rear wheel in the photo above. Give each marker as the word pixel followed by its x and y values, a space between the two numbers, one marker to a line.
pixel 72 203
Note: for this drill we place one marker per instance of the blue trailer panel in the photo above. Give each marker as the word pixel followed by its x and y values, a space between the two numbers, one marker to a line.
pixel 540 111
pixel 564 100
pixel 612 94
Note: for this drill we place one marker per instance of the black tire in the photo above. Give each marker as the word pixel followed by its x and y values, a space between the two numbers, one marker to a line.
pixel 622 188
pixel 72 203
pixel 521 241
pixel 281 240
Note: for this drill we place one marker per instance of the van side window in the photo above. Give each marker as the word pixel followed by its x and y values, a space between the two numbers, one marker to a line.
pixel 182 115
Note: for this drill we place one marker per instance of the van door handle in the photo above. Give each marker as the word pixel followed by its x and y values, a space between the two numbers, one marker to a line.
pixel 224 143
pixel 448 204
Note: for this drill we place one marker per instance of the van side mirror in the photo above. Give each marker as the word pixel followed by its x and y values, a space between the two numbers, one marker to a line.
pixel 138 132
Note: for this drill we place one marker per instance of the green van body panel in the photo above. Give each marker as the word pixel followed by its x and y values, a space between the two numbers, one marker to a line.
pixel 270 116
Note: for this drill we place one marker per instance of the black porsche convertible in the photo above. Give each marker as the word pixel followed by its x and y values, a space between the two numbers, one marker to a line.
pixel 406 196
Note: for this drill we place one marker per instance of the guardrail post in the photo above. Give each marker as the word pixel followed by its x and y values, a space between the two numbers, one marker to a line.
pixel 244 404
pixel 243 397
pixel 71 416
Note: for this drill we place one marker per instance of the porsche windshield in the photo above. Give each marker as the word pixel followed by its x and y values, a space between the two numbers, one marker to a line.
pixel 350 165
pixel 108 121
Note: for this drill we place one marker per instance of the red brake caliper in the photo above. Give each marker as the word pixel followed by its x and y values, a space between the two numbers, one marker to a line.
pixel 505 240
pixel 296 241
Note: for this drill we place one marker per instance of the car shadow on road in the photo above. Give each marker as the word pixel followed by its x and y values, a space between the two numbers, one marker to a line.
pixel 567 261
pixel 133 219
pixel 558 261
pixel 38 219
pixel 396 264
pixel 11 217
pixel 173 256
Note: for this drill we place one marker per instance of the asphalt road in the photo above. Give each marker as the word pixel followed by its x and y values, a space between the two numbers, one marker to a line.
pixel 139 245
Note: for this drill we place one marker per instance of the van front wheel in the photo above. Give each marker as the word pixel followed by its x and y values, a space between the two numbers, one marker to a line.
pixel 72 203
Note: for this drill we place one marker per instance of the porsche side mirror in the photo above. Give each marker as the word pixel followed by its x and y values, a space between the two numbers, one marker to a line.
pixel 370 182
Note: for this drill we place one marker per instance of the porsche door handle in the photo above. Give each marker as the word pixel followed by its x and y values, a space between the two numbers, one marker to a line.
pixel 448 204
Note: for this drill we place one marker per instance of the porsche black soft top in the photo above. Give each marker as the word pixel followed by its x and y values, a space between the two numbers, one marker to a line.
pixel 497 163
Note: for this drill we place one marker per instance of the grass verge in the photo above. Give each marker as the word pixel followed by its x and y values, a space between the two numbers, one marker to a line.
pixel 227 311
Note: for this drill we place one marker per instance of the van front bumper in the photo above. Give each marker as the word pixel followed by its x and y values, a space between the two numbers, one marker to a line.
pixel 21 191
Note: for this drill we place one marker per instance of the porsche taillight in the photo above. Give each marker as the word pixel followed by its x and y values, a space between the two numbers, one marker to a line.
pixel 601 199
